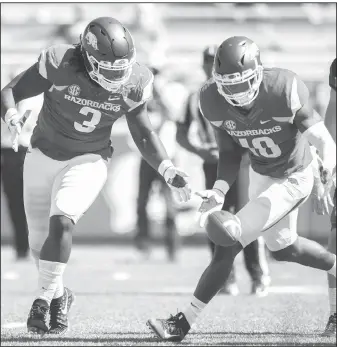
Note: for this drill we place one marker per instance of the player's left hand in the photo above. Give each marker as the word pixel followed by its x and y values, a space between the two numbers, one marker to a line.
pixel 175 178
pixel 321 198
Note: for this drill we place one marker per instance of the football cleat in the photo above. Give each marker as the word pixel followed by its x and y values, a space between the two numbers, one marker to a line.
pixel 260 287
pixel 330 329
pixel 37 319
pixel 59 310
pixel 173 329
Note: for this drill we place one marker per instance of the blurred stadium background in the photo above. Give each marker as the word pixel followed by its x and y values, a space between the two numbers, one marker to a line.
pixel 300 37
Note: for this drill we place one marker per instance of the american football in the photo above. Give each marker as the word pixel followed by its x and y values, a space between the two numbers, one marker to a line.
pixel 223 228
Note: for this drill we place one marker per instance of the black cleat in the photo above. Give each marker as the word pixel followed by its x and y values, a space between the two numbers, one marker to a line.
pixel 37 319
pixel 173 329
pixel 59 310
pixel 330 329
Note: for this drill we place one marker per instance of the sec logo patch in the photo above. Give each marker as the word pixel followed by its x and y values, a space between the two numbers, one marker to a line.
pixel 74 90
pixel 230 124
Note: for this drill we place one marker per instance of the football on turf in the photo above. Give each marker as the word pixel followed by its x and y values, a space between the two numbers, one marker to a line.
pixel 223 228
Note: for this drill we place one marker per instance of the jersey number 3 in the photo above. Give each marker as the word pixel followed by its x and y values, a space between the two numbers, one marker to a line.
pixel 262 146
pixel 88 126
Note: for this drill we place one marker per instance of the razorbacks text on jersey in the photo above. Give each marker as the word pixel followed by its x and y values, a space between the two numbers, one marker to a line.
pixel 276 148
pixel 77 114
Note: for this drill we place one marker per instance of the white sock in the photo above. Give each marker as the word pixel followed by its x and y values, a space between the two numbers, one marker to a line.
pixel 332 271
pixel 193 309
pixel 332 300
pixel 49 278
pixel 59 288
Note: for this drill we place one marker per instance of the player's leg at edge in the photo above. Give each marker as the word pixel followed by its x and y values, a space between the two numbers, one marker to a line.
pixel 330 329
pixel 301 251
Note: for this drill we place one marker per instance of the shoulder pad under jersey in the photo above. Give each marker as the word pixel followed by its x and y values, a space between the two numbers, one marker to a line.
pixel 54 62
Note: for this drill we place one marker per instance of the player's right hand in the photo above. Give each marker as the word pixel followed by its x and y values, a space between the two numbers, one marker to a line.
pixel 213 200
pixel 13 120
pixel 321 198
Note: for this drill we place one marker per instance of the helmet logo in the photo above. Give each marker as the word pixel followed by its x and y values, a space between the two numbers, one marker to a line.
pixel 230 124
pixel 91 40
pixel 74 90
pixel 251 52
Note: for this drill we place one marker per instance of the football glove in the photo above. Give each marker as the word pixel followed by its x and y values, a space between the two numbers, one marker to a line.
pixel 327 178
pixel 14 121
pixel 321 201
pixel 175 178
pixel 213 200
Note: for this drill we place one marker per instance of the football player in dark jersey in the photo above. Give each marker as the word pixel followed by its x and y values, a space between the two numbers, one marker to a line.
pixel 86 87
pixel 330 122
pixel 267 112
pixel 195 134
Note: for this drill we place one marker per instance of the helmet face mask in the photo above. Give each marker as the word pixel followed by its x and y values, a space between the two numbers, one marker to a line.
pixel 237 71
pixel 108 52
pixel 239 89
pixel 107 75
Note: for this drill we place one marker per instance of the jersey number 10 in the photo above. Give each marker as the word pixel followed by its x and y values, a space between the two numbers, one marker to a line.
pixel 262 146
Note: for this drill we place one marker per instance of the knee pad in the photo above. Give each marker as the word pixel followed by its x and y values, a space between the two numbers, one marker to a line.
pixel 223 228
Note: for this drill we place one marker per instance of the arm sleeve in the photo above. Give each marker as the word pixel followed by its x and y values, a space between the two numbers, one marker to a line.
pixel 145 138
pixel 187 115
pixel 230 155
pixel 30 84
pixel 26 85
pixel 332 75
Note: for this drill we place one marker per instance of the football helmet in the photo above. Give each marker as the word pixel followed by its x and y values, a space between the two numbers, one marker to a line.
pixel 108 51
pixel 238 71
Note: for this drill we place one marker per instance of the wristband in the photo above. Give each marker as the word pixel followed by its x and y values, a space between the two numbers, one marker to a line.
pixel 10 113
pixel 222 186
pixel 164 165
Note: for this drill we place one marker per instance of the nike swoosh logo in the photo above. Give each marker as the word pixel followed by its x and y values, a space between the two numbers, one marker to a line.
pixel 65 309
pixel 264 121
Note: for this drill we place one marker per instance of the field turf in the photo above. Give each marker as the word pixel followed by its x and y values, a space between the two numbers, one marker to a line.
pixel 117 291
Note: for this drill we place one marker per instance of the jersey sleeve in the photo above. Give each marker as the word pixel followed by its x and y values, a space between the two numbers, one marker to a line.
pixel 298 96
pixel 332 75
pixel 49 63
pixel 143 90
pixel 203 102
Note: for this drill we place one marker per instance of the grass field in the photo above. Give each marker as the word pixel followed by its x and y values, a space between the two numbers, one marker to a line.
pixel 116 292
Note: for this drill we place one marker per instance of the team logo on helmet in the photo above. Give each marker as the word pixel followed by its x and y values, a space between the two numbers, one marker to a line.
pixel 251 51
pixel 229 124
pixel 74 90
pixel 92 40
